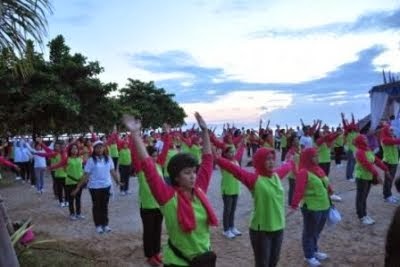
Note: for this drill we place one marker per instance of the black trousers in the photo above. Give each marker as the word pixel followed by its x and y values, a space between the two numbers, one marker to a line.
pixel 115 161
pixel 387 184
pixel 266 247
pixel 53 177
pixel 31 174
pixel 152 225
pixel 60 189
pixel 363 188
pixel 248 145
pixel 326 166
pixel 74 201
pixel 125 173
pixel 100 199
pixel 24 170
pixel 228 218
pixel 338 154
pixel 283 155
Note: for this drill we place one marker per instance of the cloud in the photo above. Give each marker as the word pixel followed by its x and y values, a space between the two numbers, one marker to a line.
pixel 370 22
pixel 241 106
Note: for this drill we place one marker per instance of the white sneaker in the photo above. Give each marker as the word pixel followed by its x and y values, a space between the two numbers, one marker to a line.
pixel 352 180
pixel 62 205
pixel 366 221
pixel 370 219
pixel 235 231
pixel 107 229
pixel 72 217
pixel 228 234
pixel 80 217
pixel 313 262
pixel 66 204
pixel 396 198
pixel 391 200
pixel 336 198
pixel 99 230
pixel 123 193
pixel 321 256
pixel 18 178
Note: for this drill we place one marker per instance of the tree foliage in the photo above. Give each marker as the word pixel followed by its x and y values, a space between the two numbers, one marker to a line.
pixel 63 94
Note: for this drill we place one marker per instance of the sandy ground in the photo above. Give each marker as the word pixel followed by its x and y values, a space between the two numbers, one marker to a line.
pixel 348 244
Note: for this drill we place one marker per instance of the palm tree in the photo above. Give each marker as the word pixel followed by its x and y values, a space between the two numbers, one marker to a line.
pixel 21 20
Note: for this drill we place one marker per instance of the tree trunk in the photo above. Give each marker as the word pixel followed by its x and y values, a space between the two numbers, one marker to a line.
pixel 7 256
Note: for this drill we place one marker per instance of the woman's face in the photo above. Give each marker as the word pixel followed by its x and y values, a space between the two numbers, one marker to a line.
pixel 99 150
pixel 315 159
pixel 74 150
pixel 270 162
pixel 186 178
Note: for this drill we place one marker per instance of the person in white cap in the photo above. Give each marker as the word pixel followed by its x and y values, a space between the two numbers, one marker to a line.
pixel 98 171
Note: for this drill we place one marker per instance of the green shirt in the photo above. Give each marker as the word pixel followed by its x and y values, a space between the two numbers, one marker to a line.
pixel 390 154
pixel 362 173
pixel 268 198
pixel 74 170
pixel 146 198
pixel 190 244
pixel 60 172
pixel 113 149
pixel 171 153
pixel 229 184
pixel 324 153
pixel 339 141
pixel 125 157
pixel 316 196
pixel 195 150
pixel 283 141
pixel 349 141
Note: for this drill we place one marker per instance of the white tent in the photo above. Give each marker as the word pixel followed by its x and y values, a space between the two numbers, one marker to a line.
pixel 385 101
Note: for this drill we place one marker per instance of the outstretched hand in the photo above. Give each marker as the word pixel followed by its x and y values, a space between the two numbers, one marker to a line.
pixel 132 123
pixel 200 121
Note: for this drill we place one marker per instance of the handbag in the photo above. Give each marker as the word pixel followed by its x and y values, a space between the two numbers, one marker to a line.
pixel 206 259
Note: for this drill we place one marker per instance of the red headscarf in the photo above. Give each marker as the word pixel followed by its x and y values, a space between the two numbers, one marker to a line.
pixel 361 142
pixel 259 159
pixel 307 162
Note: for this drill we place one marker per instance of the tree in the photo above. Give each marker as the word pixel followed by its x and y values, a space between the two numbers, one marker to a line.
pixel 153 104
pixel 22 20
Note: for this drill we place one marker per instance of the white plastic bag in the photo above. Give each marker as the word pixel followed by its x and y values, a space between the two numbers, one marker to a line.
pixel 334 216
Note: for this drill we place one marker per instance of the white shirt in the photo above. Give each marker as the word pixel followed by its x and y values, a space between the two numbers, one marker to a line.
pixel 38 161
pixel 159 145
pixel 99 173
pixel 306 141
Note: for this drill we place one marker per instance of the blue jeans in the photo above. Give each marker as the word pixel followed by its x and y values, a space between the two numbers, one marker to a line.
pixel 39 175
pixel 313 223
pixel 351 162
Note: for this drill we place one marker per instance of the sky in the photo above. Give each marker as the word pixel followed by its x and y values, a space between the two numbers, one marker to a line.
pixel 242 60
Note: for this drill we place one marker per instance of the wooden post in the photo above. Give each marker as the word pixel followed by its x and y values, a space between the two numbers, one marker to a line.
pixel 7 256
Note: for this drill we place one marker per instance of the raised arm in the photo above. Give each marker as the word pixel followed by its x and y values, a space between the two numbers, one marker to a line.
pixel 247 178
pixel 62 163
pixel 285 169
pixel 161 192
pixel 205 171
pixel 239 152
pixel 7 163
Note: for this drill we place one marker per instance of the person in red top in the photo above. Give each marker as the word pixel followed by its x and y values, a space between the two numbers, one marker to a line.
pixel 8 163
pixel 312 186
pixel 268 222
pixel 185 206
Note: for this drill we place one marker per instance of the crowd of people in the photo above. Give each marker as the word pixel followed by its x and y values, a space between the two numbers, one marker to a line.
pixel 174 168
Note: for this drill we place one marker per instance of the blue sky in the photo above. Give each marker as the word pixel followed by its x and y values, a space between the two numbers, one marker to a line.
pixel 239 61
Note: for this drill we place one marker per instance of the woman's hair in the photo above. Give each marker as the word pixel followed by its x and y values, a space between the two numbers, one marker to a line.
pixel 392 256
pixel 151 150
pixel 290 140
pixel 95 156
pixel 178 163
